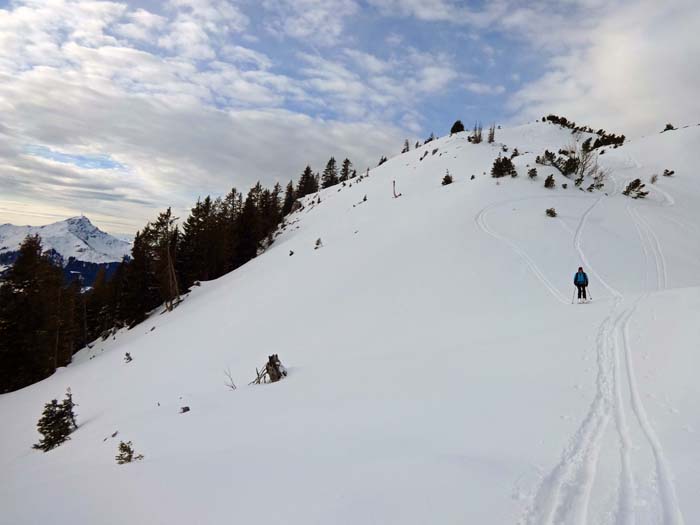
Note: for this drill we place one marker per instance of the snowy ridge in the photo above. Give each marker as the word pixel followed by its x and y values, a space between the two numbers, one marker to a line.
pixel 75 238
pixel 438 370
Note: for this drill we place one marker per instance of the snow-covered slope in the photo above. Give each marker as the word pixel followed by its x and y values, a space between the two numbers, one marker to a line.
pixel 438 370
pixel 75 238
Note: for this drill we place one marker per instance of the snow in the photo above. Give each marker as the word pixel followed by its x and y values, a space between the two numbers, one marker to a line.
pixel 76 237
pixel 438 372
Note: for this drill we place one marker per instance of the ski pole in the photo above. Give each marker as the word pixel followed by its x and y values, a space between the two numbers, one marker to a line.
pixel 572 296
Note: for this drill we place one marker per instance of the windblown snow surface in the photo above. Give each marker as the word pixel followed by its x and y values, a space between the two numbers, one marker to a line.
pixel 76 237
pixel 438 371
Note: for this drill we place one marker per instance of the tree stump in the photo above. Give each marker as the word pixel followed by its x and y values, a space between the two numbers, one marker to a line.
pixel 275 370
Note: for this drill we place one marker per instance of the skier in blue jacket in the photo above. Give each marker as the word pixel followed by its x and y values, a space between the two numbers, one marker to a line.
pixel 581 281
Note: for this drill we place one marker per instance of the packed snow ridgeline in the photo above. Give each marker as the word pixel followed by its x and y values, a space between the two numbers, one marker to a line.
pixel 437 371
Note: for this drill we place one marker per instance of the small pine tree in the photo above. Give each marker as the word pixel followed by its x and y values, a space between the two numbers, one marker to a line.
pixel 447 179
pixel 406 147
pixel 669 127
pixel 457 127
pixel 126 453
pixel 532 173
pixel 56 423
pixel 503 167
pixel 551 212
pixel 67 406
pixel 549 182
pixel 382 160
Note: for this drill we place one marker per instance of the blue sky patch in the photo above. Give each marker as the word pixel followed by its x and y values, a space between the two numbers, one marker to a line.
pixel 89 162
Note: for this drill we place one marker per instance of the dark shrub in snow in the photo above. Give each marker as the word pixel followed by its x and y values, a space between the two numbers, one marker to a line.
pixel 635 189
pixel 502 167
pixel 126 453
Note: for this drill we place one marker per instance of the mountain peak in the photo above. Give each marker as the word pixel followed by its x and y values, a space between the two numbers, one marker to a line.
pixel 75 237
pixel 80 221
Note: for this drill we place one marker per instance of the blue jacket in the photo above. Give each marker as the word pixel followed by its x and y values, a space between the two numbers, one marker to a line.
pixel 581 279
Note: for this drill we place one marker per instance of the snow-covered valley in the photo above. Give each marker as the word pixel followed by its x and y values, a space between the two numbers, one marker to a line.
pixel 438 370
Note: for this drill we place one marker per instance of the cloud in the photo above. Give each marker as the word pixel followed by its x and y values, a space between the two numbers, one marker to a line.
pixel 321 22
pixel 631 76
pixel 485 89
pixel 189 97
pixel 441 11
pixel 81 91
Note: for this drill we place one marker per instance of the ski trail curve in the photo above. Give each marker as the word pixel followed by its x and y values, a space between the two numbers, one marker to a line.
pixel 483 225
pixel 578 246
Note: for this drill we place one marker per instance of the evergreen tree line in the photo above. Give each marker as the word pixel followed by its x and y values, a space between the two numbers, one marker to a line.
pixel 44 320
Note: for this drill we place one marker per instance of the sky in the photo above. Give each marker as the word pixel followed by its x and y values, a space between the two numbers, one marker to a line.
pixel 118 110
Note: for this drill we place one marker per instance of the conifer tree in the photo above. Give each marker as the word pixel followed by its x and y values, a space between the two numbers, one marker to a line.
pixel 270 209
pixel 31 322
pixel 56 423
pixel 330 174
pixel 197 255
pixel 503 167
pixel 140 286
pixel 345 170
pixel 457 127
pixel 228 220
pixel 289 198
pixel 249 230
pixel 492 134
pixel 162 237
pixel 406 147
pixel 54 426
pixel 307 183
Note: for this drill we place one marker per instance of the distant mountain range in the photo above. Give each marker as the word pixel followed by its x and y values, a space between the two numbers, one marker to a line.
pixel 75 244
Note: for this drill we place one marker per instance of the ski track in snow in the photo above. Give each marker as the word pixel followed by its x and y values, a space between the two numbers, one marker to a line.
pixel 564 495
pixel 483 225
pixel 672 514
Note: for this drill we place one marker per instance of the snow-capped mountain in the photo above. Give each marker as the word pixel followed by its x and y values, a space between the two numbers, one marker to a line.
pixel 75 238
pixel 439 371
